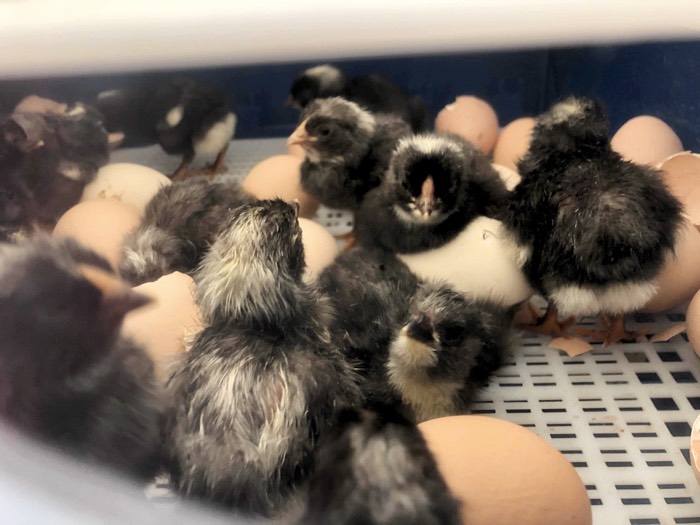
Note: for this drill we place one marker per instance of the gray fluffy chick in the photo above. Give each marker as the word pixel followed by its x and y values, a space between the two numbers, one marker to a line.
pixel 421 346
pixel 262 382
pixel 179 225
pixel 66 376
pixel 347 150
pixel 377 470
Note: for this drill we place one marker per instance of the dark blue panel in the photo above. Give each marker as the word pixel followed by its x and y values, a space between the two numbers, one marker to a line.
pixel 658 79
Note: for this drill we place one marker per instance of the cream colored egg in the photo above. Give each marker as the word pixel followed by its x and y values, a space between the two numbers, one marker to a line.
pixel 682 175
pixel 692 323
pixel 506 474
pixel 513 142
pixel 680 276
pixel 280 177
pixel 509 177
pixel 472 119
pixel 481 260
pixel 36 104
pixel 320 247
pixel 100 225
pixel 646 140
pixel 162 326
pixel 130 184
pixel 695 448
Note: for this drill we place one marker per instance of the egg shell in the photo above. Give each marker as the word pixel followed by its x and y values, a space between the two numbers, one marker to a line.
pixel 513 142
pixel 280 177
pixel 472 119
pixel 100 225
pixel 509 177
pixel 480 260
pixel 320 247
pixel 504 473
pixel 36 104
pixel 646 140
pixel 692 323
pixel 695 448
pixel 682 175
pixel 162 326
pixel 130 184
pixel 680 276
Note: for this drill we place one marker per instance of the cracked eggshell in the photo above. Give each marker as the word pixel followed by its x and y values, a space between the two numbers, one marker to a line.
pixel 280 177
pixel 481 260
pixel 472 119
pixel 504 473
pixel 513 142
pixel 163 326
pixel 131 184
pixel 680 276
pixel 320 247
pixel 646 140
pixel 100 225
pixel 682 176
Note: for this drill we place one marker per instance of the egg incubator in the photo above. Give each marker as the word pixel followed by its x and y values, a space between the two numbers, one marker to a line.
pixel 622 415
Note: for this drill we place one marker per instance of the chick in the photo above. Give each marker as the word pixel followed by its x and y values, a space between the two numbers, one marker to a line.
pixel 179 224
pixel 347 150
pixel 376 469
pixel 375 92
pixel 420 346
pixel 185 116
pixel 262 381
pixel 435 185
pixel 15 203
pixel 66 375
pixel 596 228
pixel 73 146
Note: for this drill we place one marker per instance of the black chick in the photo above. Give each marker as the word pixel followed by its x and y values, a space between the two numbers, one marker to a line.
pixel 596 228
pixel 185 116
pixel 262 381
pixel 435 185
pixel 66 376
pixel 179 224
pixel 347 150
pixel 15 202
pixel 376 469
pixel 420 346
pixel 73 146
pixel 375 92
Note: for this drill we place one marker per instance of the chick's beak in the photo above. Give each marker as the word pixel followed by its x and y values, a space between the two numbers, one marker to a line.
pixel 118 299
pixel 420 328
pixel 301 137
pixel 426 201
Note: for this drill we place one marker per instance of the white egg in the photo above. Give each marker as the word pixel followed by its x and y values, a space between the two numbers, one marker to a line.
pixel 131 184
pixel 481 260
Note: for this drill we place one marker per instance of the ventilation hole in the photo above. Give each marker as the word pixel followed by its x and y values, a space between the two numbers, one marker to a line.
pixel 635 501
pixel 694 402
pixel 636 357
pixel 648 378
pixel 664 403
pixel 678 428
pixel 669 357
pixel 684 377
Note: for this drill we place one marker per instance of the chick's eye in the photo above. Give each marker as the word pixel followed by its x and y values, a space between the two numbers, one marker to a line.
pixel 451 335
pixel 324 130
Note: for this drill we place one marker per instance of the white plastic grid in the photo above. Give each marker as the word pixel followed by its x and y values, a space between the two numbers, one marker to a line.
pixel 621 415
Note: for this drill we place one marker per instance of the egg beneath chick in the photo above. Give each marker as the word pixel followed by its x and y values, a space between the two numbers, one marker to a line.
pixel 504 473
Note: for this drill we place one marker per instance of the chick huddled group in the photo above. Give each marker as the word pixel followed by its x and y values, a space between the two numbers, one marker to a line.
pixel 301 397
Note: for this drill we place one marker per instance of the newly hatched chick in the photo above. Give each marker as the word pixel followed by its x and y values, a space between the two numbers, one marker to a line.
pixel 596 228
pixel 375 92
pixel 15 202
pixel 185 116
pixel 179 224
pixel 66 376
pixel 73 147
pixel 263 380
pixel 347 150
pixel 376 469
pixel 435 185
pixel 421 346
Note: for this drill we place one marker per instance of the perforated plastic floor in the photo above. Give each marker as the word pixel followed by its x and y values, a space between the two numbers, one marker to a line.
pixel 621 415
